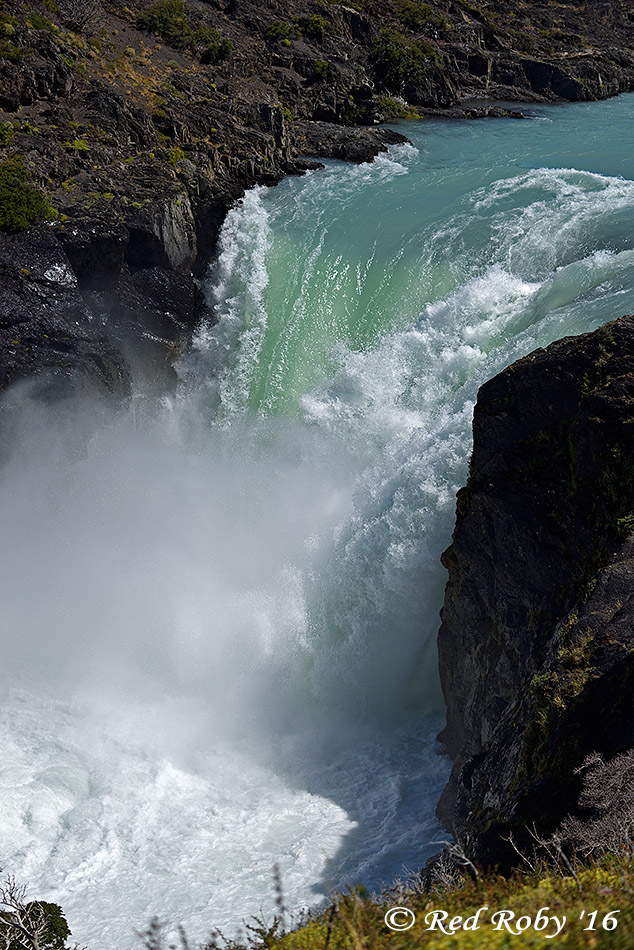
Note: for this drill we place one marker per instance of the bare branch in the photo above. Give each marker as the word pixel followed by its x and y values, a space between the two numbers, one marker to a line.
pixel 524 858
pixel 23 922
pixel 29 925
pixel 81 15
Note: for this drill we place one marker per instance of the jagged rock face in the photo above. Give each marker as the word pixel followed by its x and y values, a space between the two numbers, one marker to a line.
pixel 347 144
pixel 578 701
pixel 47 334
pixel 534 647
pixel 141 192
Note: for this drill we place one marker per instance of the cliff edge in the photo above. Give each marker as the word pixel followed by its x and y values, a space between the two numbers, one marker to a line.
pixel 536 645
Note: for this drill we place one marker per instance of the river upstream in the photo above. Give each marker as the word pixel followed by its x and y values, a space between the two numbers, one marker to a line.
pixel 219 616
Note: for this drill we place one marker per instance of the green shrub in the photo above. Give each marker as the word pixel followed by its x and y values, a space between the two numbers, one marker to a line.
pixel 7 133
pixel 175 154
pixel 286 112
pixel 625 527
pixel 321 68
pixel 21 205
pixel 168 19
pixel 413 15
pixel 11 52
pixel 417 16
pixel 398 59
pixel 395 109
pixel 8 23
pixel 314 25
pixel 56 929
pixel 278 30
pixel 215 47
pixel 39 22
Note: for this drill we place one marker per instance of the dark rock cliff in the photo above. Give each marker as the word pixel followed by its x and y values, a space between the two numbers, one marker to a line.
pixel 536 645
pixel 46 327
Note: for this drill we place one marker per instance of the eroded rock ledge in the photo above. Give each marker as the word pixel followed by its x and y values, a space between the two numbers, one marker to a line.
pixel 536 645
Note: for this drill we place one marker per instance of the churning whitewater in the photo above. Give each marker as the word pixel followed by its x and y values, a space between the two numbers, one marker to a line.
pixel 219 612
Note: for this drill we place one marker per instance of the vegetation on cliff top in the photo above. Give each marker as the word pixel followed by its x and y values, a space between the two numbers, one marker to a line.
pixel 596 899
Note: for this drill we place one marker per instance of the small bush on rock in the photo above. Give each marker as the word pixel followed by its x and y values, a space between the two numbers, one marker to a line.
pixel 214 46
pixel 21 205
pixel 278 30
pixel 169 20
pixel 38 22
pixel 7 133
pixel 418 16
pixel 11 52
pixel 398 59
pixel 314 26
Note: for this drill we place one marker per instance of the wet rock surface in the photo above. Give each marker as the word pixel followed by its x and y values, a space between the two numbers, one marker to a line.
pixel 349 144
pixel 47 333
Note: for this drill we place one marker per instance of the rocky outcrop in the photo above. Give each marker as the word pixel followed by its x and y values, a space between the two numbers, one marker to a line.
pixel 347 144
pixel 536 643
pixel 47 334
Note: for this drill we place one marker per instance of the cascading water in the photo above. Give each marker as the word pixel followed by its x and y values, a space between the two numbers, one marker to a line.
pixel 219 618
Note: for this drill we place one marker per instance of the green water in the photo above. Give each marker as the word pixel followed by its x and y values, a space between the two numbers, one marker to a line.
pixel 340 259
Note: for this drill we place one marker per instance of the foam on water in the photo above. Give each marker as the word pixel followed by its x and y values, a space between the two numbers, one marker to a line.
pixel 119 832
pixel 221 619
